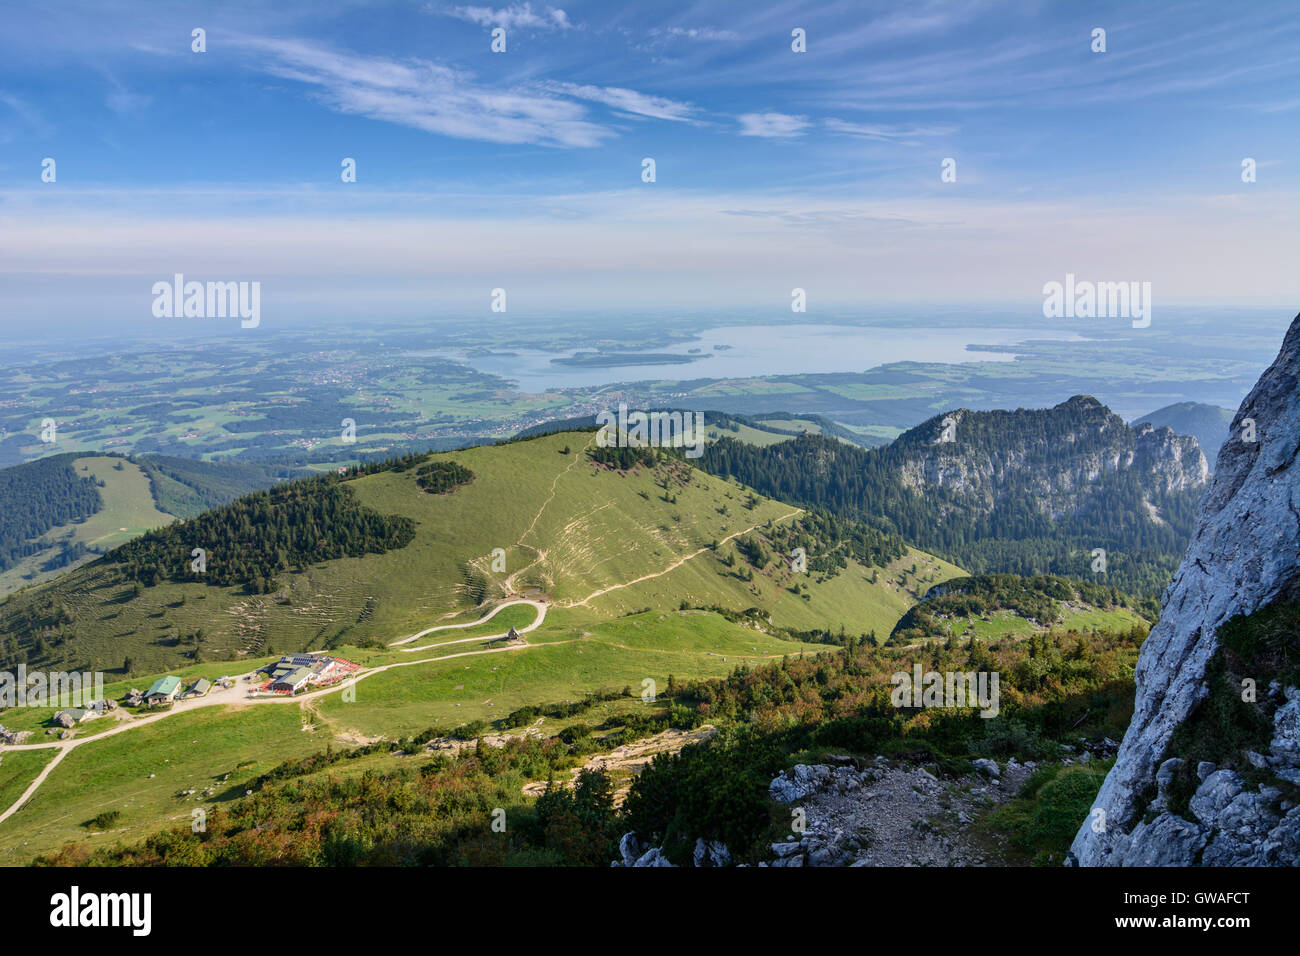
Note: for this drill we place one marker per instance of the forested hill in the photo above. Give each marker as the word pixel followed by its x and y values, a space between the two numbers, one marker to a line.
pixel 1024 492
pixel 37 497
pixel 251 540
pixel 186 487
pixel 56 513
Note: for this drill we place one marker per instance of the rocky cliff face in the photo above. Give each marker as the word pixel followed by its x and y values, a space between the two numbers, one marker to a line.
pixel 1243 560
pixel 1028 491
pixel 1055 457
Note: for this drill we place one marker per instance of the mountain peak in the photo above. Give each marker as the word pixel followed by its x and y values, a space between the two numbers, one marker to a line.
pixel 1082 401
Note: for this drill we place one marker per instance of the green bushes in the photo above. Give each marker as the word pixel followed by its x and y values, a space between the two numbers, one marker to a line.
pixel 437 813
pixel 258 536
pixel 1039 825
pixel 579 825
pixel 529 713
pixel 442 477
pixel 105 820
pixel 716 790
pixel 861 734
pixel 1014 738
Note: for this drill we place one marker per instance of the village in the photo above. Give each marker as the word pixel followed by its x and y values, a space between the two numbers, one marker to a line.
pixel 291 674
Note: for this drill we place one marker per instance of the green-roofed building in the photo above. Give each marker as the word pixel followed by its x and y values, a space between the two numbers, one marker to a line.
pixel 164 689
pixel 199 688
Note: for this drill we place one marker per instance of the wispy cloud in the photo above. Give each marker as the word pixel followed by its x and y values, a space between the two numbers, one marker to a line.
pixel 886 133
pixel 428 96
pixel 629 101
pixel 439 99
pixel 1279 106
pixel 772 125
pixel 516 15
pixel 707 34
pixel 122 100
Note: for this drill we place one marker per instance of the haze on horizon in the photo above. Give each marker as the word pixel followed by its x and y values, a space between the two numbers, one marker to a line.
pixel 523 169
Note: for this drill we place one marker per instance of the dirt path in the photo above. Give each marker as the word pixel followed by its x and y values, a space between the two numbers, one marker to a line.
pixel 541 616
pixel 672 567
pixel 510 585
pixel 35 784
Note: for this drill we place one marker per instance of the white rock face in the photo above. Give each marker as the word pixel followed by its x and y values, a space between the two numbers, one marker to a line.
pixel 1244 554
pixel 653 857
pixel 711 853
pixel 1102 445
pixel 629 849
pixel 798 783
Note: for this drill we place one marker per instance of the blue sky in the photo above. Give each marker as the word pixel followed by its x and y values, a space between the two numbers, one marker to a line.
pixel 522 169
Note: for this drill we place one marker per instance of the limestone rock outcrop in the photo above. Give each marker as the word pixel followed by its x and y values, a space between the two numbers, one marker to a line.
pixel 1244 556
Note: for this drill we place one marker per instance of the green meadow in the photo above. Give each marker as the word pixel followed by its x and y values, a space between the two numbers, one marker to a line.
pixel 1006 623
pixel 639 569
pixel 571 662
pixel 198 749
pixel 18 768
pixel 141 773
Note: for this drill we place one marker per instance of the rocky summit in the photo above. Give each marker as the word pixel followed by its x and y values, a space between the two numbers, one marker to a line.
pixel 1226 622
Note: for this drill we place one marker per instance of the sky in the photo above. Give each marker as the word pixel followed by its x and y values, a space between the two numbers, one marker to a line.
pixel 523 169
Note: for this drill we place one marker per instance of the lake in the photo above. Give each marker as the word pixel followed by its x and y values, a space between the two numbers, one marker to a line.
pixel 753 350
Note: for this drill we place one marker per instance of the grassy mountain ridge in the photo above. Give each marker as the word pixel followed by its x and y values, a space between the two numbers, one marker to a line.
pixel 541 514
pixel 654 572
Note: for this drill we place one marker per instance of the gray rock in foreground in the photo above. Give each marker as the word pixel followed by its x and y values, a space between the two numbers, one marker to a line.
pixel 1244 555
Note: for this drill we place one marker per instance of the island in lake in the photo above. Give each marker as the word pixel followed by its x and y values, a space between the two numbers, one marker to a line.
pixel 619 359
